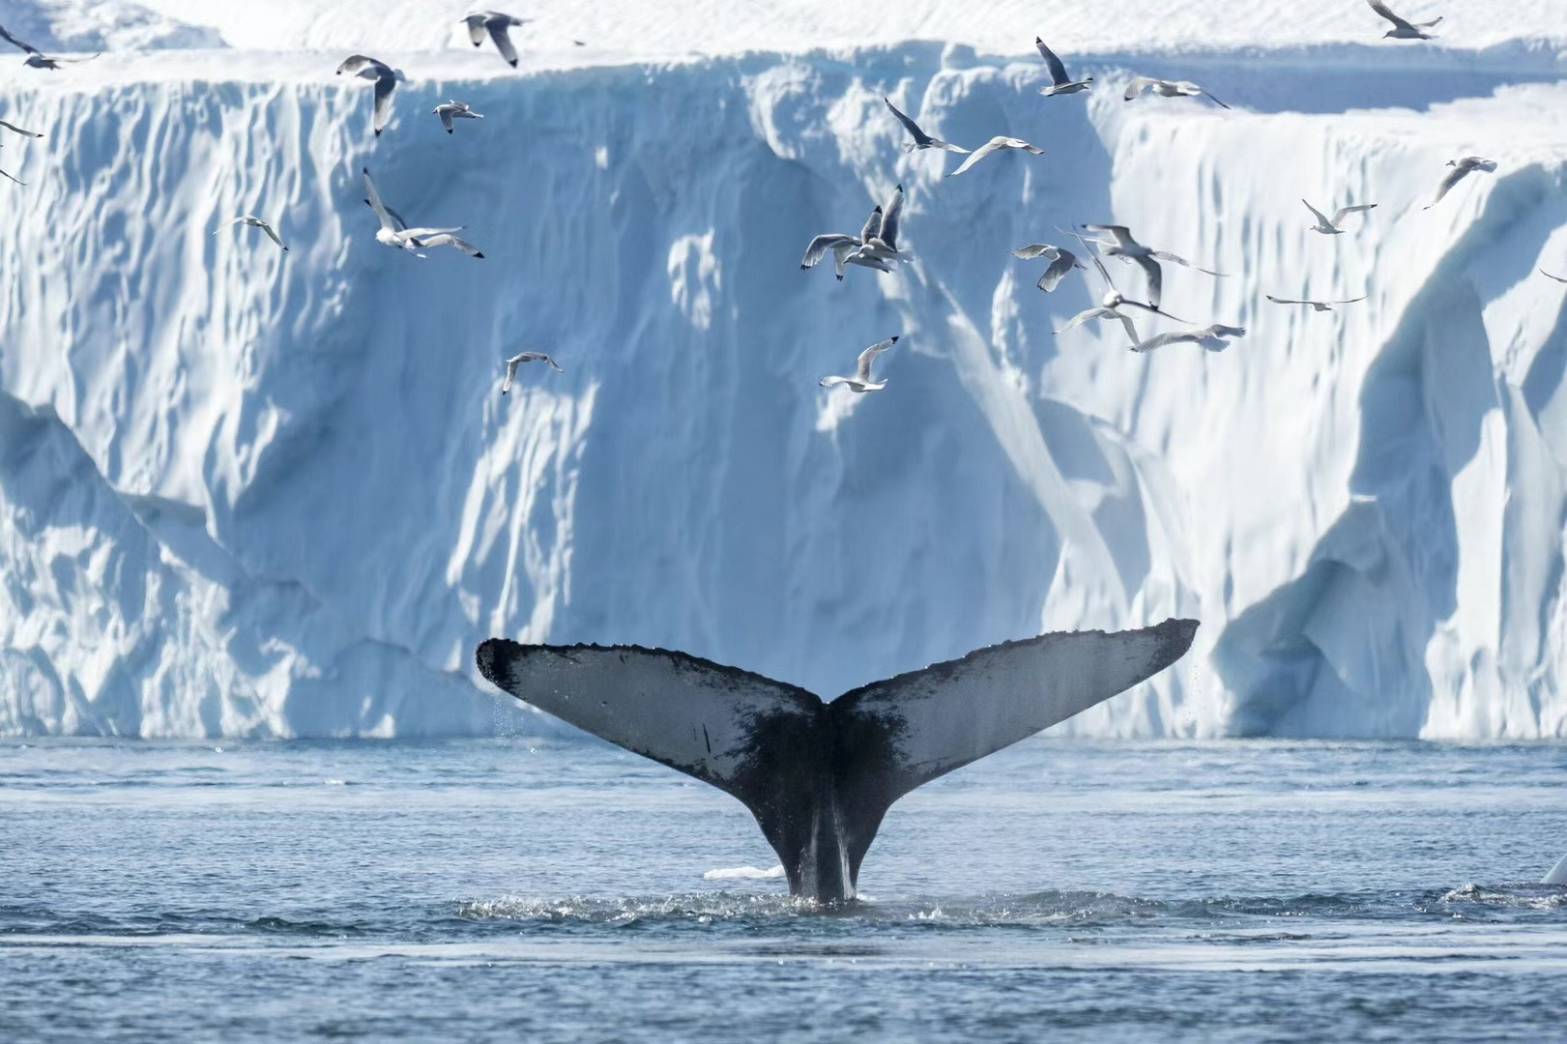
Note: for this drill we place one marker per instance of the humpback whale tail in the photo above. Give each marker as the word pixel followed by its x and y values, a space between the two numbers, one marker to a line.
pixel 818 776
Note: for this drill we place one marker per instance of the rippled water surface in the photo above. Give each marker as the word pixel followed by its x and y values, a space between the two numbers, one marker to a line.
pixel 548 890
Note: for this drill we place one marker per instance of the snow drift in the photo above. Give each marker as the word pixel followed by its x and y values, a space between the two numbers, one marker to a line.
pixel 243 491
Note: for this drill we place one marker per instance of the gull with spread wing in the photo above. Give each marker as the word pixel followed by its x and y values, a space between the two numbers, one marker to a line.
pixel 455 110
pixel 1330 226
pixel 19 130
pixel 1061 263
pixel 1319 306
pixel 861 381
pixel 921 139
pixel 1462 168
pixel 525 357
pixel 999 143
pixel 394 232
pixel 1061 83
pixel 1402 30
pixel 386 80
pixel 1214 338
pixel 845 248
pixel 1169 89
pixel 497 25
pixel 253 222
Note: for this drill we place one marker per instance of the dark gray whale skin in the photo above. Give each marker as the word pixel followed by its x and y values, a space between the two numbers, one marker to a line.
pixel 819 776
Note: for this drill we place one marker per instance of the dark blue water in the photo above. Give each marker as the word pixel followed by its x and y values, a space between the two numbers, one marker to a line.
pixel 547 890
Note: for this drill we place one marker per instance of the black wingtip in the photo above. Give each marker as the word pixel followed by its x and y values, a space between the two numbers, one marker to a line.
pixel 479 256
pixel 512 63
pixel 894 338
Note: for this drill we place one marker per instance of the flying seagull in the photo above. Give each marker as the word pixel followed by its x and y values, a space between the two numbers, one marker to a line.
pixel 1113 301
pixel 997 144
pixel 525 357
pixel 1461 169
pixel 47 61
pixel 1402 30
pixel 845 248
pixel 451 110
pixel 882 245
pixel 21 44
pixel 1169 89
pixel 386 79
pixel 1320 306
pixel 1061 262
pixel 1214 338
pixel 1122 244
pixel 921 139
pixel 1331 227
pixel 1559 279
pixel 861 381
pixel 394 232
pixel 1062 83
pixel 19 130
pixel 253 222
pixel 496 24
pixel 10 178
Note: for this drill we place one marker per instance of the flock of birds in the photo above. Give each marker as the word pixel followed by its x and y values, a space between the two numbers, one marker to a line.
pixel 876 245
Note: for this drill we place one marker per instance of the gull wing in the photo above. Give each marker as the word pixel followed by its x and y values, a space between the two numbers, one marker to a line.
pixel 446 118
pixel 446 239
pixel 385 84
pixel 996 144
pixel 1165 255
pixel 1058 269
pixel 29 48
pixel 1319 215
pixel 1164 340
pixel 920 137
pixel 357 63
pixel 382 214
pixel 502 38
pixel 1387 12
pixel 1344 212
pixel 862 371
pixel 1212 97
pixel 1287 300
pixel 19 130
pixel 821 244
pixel 1033 250
pixel 872 226
pixel 8 177
pixel 1094 256
pixel 475 24
pixel 1559 279
pixel 1054 64
pixel 1155 276
pixel 271 233
pixel 890 216
pixel 1087 315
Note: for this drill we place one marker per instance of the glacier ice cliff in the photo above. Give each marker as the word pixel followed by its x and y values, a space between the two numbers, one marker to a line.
pixel 248 492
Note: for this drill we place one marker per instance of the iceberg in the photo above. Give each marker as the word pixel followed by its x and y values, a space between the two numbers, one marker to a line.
pixel 244 492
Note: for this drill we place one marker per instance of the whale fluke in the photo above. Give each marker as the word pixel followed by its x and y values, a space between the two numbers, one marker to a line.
pixel 818 776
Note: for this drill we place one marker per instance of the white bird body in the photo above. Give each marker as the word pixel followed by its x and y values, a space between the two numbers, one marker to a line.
pixel 496 24
pixel 455 110
pixel 862 381
pixel 1330 226
pixel 997 144
pixel 1462 168
pixel 1403 29
pixel 394 233
pixel 525 357
pixel 1169 89
pixel 921 139
pixel 386 80
pixel 253 222
pixel 874 247
pixel 1061 83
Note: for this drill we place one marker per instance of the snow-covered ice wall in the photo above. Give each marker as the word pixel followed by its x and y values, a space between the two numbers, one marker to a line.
pixel 250 492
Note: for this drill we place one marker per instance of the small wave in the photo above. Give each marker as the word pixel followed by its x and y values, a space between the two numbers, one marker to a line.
pixel 698 909
pixel 743 873
pixel 1477 899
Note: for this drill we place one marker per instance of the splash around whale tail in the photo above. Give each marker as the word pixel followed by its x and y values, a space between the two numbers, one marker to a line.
pixel 818 776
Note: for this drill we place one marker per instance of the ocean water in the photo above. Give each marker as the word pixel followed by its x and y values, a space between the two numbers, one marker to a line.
pixel 546 890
